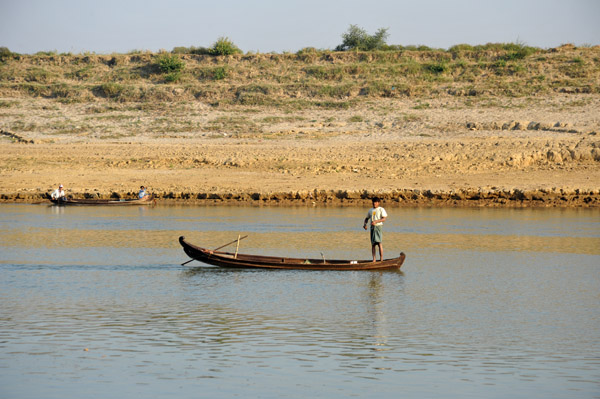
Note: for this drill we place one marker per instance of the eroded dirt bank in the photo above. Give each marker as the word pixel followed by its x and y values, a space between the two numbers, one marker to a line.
pixel 423 166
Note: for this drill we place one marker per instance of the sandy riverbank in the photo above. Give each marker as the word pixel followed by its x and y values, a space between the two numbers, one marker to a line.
pixel 542 153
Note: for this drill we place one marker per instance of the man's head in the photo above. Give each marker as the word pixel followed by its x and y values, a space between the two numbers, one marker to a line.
pixel 60 186
pixel 376 201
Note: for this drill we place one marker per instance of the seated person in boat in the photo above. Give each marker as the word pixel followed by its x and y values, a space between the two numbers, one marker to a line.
pixel 59 193
pixel 143 194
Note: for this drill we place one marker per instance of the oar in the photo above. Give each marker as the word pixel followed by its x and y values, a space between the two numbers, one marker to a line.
pixel 222 246
pixel 229 243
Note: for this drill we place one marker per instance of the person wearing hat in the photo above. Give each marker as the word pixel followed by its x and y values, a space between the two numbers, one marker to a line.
pixel 375 218
pixel 59 193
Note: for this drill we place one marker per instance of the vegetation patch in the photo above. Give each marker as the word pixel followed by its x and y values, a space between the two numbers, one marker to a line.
pixel 222 76
pixel 224 46
pixel 8 103
pixel 168 64
pixel 357 38
pixel 436 68
pixel 282 119
pixel 110 90
pixel 39 75
pixel 232 124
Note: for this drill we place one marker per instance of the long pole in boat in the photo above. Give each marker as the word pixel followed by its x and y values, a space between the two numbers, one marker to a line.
pixel 237 247
pixel 223 246
pixel 229 243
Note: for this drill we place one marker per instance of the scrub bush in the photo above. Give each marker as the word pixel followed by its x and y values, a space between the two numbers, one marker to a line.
pixel 358 39
pixel 169 63
pixel 224 46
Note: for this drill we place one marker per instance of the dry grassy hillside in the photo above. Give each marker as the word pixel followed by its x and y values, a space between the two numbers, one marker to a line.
pixel 324 79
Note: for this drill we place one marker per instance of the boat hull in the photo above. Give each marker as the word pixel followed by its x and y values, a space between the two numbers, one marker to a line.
pixel 112 202
pixel 231 260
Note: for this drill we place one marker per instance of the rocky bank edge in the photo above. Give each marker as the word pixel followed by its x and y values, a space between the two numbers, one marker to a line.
pixel 458 198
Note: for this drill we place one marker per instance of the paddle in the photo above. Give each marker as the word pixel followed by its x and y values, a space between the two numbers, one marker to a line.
pixel 229 243
pixel 222 246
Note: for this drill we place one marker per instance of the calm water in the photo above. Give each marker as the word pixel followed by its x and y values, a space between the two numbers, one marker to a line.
pixel 490 303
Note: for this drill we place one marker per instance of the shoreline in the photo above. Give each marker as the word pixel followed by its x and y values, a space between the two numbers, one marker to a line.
pixel 410 198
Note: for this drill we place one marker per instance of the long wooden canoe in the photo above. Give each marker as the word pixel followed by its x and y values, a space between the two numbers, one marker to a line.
pixel 74 201
pixel 236 260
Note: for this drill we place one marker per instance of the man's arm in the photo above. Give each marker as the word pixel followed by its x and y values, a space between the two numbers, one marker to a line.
pixel 374 222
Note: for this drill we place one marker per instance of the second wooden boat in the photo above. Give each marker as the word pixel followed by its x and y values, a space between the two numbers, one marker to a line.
pixel 74 201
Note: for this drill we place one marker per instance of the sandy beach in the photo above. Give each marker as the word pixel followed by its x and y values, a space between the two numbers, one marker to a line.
pixel 542 154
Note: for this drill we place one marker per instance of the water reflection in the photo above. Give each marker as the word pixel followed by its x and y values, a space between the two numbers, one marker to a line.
pixel 377 312
pixel 357 332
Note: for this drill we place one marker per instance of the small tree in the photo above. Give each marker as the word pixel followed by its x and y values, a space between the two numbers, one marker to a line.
pixel 169 63
pixel 224 46
pixel 5 54
pixel 357 38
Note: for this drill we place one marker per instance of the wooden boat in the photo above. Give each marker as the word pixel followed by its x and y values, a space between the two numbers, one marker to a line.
pixel 72 201
pixel 236 260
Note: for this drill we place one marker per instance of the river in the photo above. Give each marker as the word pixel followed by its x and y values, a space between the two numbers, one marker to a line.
pixel 490 303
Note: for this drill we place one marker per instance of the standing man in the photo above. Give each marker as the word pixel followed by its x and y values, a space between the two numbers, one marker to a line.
pixel 59 193
pixel 376 216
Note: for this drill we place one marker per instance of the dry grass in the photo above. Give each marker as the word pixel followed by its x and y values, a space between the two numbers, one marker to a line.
pixel 319 79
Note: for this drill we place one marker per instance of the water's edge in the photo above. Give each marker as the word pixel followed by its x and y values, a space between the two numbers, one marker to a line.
pixel 515 198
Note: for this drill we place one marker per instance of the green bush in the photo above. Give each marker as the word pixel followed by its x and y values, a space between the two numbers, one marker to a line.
pixel 220 73
pixel 358 39
pixel 307 50
pixel 182 50
pixel 6 54
pixel 460 47
pixel 436 68
pixel 335 91
pixel 211 73
pixel 513 51
pixel 169 63
pixel 86 72
pixel 224 46
pixel 578 60
pixel 39 75
pixel 172 77
pixel 324 72
pixel 519 54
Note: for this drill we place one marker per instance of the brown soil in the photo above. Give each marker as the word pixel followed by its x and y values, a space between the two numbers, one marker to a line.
pixel 519 152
